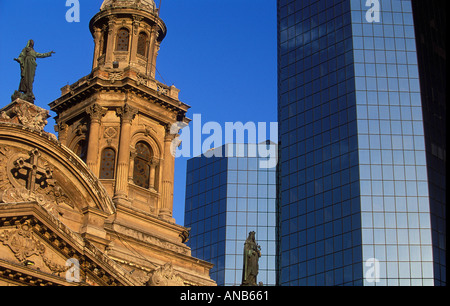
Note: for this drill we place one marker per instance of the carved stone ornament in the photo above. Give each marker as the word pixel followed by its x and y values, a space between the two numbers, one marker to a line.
pixel 115 76
pixel 165 276
pixel 127 112
pixel 23 244
pixel 142 79
pixel 81 128
pixel 185 235
pixel 162 90
pixel 110 132
pixel 26 177
pixel 26 114
pixel 62 129
pixel 136 23
pixel 96 112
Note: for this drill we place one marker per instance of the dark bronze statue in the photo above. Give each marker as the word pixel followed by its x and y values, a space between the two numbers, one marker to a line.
pixel 252 253
pixel 27 61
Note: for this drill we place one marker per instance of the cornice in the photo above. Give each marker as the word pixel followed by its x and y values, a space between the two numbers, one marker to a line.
pixel 104 81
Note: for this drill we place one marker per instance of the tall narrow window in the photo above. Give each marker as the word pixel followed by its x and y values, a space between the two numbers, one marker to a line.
pixel 107 164
pixel 141 172
pixel 123 39
pixel 142 44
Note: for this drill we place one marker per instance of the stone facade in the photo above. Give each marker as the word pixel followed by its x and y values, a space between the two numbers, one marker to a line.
pixel 101 193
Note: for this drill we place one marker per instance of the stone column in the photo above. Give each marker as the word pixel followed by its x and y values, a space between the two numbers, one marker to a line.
pixel 133 155
pixel 153 164
pixel 127 114
pixel 111 41
pixel 153 52
pixel 97 42
pixel 134 39
pixel 168 172
pixel 96 112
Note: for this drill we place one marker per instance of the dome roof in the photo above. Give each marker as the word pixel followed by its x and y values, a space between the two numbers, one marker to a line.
pixel 148 5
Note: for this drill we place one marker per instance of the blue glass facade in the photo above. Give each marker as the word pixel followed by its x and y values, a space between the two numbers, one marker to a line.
pixel 226 198
pixel 354 196
pixel 395 208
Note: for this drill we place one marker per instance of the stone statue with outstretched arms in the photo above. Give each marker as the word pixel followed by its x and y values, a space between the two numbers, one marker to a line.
pixel 27 61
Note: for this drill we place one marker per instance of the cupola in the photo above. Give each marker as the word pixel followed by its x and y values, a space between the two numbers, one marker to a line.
pixel 127 34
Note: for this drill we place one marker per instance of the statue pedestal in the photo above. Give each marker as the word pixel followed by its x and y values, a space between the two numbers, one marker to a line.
pixel 25 113
pixel 20 95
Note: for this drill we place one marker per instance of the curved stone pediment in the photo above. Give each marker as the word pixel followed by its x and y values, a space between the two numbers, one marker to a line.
pixel 39 169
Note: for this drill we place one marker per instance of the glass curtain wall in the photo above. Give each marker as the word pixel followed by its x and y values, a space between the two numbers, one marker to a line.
pixel 353 182
pixel 226 198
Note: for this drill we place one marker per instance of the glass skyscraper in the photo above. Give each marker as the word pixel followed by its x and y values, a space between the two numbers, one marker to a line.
pixel 226 198
pixel 358 204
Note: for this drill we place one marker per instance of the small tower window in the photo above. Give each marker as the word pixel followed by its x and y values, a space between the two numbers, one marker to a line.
pixel 142 44
pixel 123 40
pixel 141 172
pixel 108 164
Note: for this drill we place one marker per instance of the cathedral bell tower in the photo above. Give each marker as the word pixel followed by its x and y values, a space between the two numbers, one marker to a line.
pixel 127 33
pixel 118 118
pixel 101 195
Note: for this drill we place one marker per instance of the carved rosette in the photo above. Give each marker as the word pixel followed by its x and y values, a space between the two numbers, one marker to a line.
pixel 162 89
pixel 142 79
pixel 115 76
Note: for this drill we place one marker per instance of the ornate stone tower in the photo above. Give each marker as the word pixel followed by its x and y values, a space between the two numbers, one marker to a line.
pixel 127 33
pixel 118 118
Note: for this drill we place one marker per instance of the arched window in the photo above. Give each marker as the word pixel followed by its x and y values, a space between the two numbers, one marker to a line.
pixel 141 172
pixel 142 44
pixel 107 165
pixel 123 39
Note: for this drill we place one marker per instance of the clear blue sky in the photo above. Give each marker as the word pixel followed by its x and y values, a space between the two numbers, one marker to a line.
pixel 221 54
